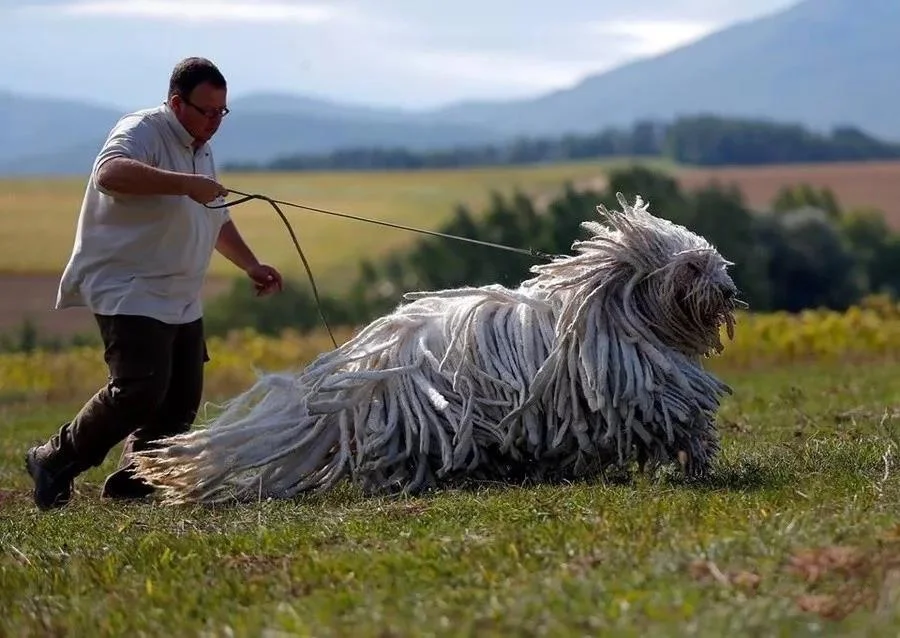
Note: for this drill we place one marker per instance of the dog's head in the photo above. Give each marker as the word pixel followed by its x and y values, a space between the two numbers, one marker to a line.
pixel 679 283
pixel 696 297
pixel 653 276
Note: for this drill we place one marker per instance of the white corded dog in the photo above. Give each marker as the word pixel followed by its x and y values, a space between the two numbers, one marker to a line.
pixel 595 361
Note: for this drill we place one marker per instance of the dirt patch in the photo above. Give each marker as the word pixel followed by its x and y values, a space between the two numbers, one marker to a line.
pixel 857 184
pixel 27 296
pixel 257 564
pixel 7 497
pixel 841 580
pixel 831 582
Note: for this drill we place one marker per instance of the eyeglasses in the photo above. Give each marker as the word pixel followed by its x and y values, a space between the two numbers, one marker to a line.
pixel 210 113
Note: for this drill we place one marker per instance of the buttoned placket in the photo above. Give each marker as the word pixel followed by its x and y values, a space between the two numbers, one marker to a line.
pixel 184 137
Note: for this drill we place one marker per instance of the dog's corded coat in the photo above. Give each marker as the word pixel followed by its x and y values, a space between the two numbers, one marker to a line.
pixel 595 361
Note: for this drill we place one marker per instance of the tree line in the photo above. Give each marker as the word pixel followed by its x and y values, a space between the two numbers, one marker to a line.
pixel 699 140
pixel 807 251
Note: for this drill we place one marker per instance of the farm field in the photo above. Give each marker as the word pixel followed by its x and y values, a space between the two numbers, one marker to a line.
pixel 797 532
pixel 855 184
pixel 37 217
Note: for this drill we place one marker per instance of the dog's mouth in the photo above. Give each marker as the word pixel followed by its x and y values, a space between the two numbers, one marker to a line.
pixel 725 315
pixel 710 314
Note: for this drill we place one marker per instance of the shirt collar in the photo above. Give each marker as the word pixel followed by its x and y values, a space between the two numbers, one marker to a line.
pixel 180 132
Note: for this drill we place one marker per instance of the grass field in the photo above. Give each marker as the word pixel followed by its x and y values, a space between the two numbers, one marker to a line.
pixel 797 533
pixel 798 530
pixel 37 217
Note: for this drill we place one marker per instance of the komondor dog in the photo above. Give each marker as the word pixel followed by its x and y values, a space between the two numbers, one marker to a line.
pixel 592 363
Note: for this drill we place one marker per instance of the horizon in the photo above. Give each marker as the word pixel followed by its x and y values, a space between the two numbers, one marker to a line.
pixel 428 60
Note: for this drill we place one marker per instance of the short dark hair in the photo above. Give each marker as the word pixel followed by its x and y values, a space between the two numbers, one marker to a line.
pixel 190 72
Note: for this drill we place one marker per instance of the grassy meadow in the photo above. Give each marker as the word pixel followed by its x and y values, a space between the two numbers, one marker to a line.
pixel 796 533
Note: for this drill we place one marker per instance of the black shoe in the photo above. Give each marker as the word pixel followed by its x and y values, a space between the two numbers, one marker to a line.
pixel 51 488
pixel 122 484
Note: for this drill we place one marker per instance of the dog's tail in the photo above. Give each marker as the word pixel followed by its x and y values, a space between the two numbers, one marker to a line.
pixel 265 443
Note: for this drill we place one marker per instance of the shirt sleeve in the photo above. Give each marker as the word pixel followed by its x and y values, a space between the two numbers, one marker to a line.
pixel 131 137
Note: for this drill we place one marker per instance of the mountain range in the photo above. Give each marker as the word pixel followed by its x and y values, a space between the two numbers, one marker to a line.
pixel 820 63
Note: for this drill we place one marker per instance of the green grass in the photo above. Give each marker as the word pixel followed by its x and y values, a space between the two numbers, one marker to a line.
pixel 38 216
pixel 808 465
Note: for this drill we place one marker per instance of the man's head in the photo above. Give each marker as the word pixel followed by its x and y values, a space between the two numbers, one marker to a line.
pixel 198 96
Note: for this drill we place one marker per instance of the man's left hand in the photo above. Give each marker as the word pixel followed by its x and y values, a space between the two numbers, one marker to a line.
pixel 266 279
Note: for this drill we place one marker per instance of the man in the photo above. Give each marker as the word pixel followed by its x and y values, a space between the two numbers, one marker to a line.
pixel 142 248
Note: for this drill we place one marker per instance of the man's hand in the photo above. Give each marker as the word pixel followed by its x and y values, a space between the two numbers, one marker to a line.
pixel 231 245
pixel 203 189
pixel 265 279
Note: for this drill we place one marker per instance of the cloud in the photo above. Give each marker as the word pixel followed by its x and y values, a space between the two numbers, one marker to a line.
pixel 564 61
pixel 202 10
pixel 509 70
pixel 647 37
pixel 501 69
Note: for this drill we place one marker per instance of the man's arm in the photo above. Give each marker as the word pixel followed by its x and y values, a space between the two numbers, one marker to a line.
pixel 133 177
pixel 233 247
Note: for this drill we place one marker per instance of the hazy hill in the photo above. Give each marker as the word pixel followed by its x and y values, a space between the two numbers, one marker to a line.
pixel 37 126
pixel 821 62
pixel 56 136
pixel 317 107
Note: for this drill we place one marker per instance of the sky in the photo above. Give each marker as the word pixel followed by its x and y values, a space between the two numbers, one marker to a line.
pixel 412 54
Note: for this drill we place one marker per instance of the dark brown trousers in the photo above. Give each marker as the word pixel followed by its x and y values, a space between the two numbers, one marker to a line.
pixel 153 390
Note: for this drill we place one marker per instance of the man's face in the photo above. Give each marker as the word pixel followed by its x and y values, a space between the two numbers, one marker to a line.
pixel 201 113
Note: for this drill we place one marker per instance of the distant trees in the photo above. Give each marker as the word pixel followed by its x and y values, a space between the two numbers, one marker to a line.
pixel 806 252
pixel 719 141
pixel 699 140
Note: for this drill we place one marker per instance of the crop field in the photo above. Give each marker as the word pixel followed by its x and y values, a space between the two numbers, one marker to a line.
pixel 796 533
pixel 37 217
pixel 855 184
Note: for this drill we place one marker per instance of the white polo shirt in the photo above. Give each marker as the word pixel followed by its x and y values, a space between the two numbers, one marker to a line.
pixel 144 255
